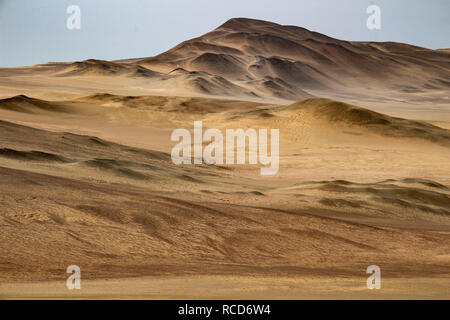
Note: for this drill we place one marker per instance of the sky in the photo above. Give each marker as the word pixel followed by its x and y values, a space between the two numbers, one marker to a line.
pixel 35 31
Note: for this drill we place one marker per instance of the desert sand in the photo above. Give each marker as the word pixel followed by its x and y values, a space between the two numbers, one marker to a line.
pixel 87 179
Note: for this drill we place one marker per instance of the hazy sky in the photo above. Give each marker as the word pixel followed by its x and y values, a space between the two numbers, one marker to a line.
pixel 34 31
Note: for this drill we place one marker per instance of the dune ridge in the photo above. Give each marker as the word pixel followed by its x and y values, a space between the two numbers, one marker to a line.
pixel 339 113
pixel 254 59
pixel 87 178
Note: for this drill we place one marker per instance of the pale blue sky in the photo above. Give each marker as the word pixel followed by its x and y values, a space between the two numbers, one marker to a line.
pixel 34 31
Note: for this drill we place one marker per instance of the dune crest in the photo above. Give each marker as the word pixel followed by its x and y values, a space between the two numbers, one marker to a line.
pixel 254 59
pixel 87 175
pixel 339 113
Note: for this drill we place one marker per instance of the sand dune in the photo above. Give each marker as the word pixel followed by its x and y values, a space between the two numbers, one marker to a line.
pixel 31 155
pixel 398 195
pixel 26 104
pixel 246 49
pixel 253 59
pixel 121 211
pixel 105 68
pixel 316 113
pixel 338 113
pixel 87 178
pixel 108 221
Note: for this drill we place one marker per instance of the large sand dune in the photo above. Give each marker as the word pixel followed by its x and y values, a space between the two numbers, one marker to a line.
pixel 122 211
pixel 87 178
pixel 253 59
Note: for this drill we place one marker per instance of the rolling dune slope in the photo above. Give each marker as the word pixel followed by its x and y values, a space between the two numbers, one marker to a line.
pixel 87 179
pixel 115 210
pixel 335 113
